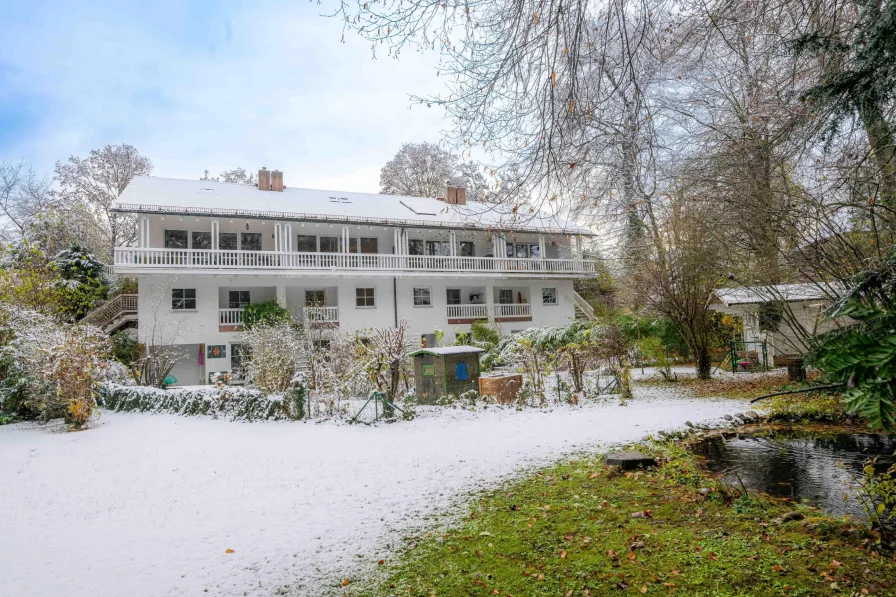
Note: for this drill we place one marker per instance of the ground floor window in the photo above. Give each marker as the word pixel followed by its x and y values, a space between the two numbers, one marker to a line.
pixel 422 297
pixel 505 297
pixel 364 297
pixel 237 299
pixel 453 296
pixel 549 296
pixel 239 357
pixel 183 299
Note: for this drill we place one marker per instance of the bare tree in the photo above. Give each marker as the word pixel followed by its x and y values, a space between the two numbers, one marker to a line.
pixel 418 170
pixel 24 196
pixel 96 182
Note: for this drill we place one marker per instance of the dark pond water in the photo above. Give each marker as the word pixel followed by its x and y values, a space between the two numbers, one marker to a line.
pixel 821 468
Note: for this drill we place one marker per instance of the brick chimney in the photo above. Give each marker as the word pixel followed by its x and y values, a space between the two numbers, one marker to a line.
pixel 456 195
pixel 277 181
pixel 264 179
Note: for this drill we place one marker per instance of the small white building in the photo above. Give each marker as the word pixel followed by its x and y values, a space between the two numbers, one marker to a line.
pixel 338 261
pixel 801 308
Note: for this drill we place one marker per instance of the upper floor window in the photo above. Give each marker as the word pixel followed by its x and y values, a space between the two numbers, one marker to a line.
pixel 523 250
pixel 306 243
pixel 201 240
pixel 369 245
pixel 250 241
pixel 175 239
pixel 466 249
pixel 415 247
pixel 330 244
pixel 183 299
pixel 228 241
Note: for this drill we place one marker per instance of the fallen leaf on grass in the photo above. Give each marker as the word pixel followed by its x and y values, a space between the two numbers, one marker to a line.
pixel 671 585
pixel 631 555
pixel 834 565
pixel 778 568
pixel 643 589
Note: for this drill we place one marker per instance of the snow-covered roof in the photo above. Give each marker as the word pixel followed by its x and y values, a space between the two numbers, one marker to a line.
pixel 780 292
pixel 150 194
pixel 445 350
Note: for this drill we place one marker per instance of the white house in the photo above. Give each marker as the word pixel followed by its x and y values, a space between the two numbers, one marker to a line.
pixel 336 260
pixel 800 309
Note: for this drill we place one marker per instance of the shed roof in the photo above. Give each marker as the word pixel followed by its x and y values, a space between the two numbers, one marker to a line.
pixel 151 194
pixel 446 350
pixel 750 295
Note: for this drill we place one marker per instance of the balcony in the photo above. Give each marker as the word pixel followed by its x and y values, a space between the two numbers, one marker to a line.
pixel 135 260
pixel 321 316
pixel 517 312
pixel 466 313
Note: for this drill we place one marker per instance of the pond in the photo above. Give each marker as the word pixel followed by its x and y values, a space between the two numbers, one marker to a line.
pixel 820 467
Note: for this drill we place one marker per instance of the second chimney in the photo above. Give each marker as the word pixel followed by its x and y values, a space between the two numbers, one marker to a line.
pixel 456 195
pixel 277 181
pixel 264 179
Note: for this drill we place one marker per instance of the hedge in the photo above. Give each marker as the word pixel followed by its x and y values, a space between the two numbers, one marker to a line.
pixel 233 402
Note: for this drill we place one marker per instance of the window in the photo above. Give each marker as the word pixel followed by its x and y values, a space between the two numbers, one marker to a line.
pixel 437 247
pixel 549 296
pixel 330 244
pixel 227 241
pixel 415 247
pixel 239 356
pixel 453 296
pixel 422 297
pixel 535 252
pixel 306 243
pixel 466 249
pixel 183 299
pixel 364 297
pixel 353 245
pixel 237 299
pixel 315 298
pixel 522 251
pixel 370 245
pixel 202 240
pixel 250 241
pixel 505 297
pixel 175 239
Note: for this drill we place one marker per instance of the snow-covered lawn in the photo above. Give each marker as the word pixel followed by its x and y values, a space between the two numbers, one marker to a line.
pixel 147 504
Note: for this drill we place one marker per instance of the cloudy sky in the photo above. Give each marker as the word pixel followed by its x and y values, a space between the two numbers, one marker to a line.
pixel 215 84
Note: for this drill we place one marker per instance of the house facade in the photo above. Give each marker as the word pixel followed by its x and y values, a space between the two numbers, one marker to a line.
pixel 339 262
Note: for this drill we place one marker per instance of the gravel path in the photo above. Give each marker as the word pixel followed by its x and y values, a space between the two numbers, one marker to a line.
pixel 148 504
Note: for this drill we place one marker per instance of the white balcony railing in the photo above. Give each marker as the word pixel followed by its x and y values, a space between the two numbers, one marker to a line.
pixel 321 315
pixel 230 316
pixel 518 310
pixel 127 257
pixel 467 311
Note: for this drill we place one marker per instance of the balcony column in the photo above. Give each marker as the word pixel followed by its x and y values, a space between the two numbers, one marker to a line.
pixel 541 246
pixel 277 236
pixel 143 232
pixel 452 243
pixel 287 237
pixel 345 239
pixel 579 255
pixel 216 229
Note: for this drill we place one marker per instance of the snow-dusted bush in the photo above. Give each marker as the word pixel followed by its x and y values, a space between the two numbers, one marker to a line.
pixel 230 402
pixel 274 350
pixel 50 369
pixel 338 368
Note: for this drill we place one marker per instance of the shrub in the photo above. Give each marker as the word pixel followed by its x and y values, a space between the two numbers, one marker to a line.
pixel 125 348
pixel 232 402
pixel 273 350
pixel 267 313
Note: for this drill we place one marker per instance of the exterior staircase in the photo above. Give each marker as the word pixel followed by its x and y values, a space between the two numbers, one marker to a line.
pixel 583 309
pixel 114 314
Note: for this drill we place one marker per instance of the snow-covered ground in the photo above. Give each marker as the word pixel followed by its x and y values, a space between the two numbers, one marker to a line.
pixel 148 504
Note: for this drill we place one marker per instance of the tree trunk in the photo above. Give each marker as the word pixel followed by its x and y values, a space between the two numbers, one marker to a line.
pixel 704 363
pixel 880 137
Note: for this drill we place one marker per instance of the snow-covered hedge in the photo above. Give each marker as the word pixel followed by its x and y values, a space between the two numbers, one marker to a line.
pixel 231 402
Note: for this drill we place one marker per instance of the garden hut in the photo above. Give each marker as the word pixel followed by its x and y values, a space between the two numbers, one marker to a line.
pixel 445 370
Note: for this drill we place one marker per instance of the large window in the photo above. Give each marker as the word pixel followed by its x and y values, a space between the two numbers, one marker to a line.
pixel 505 297
pixel 415 247
pixel 250 241
pixel 523 250
pixel 437 247
pixel 183 299
pixel 175 239
pixel 227 241
pixel 202 240
pixel 330 244
pixel 237 299
pixel 466 249
pixel 306 243
pixel 422 297
pixel 453 295
pixel 549 296
pixel 369 245
pixel 365 297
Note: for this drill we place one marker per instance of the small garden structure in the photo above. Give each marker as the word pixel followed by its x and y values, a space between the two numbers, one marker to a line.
pixel 448 370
